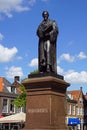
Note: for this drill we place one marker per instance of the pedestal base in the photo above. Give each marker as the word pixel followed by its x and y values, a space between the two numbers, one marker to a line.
pixel 45 103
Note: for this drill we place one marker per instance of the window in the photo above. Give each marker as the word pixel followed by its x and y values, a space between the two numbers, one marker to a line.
pixel 73 109
pixel 81 111
pixel 77 110
pixel 70 96
pixel 69 109
pixel 5 106
pixel 13 89
pixel 12 108
pixel 81 100
pixel 19 109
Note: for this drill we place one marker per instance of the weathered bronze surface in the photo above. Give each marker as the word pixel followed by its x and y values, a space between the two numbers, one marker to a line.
pixel 47 32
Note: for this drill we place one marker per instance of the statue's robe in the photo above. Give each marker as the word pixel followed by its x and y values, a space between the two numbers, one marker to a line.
pixel 47 33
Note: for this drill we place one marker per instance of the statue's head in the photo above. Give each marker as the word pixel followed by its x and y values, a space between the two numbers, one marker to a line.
pixel 45 15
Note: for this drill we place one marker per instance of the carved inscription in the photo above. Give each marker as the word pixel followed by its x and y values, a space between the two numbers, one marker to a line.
pixel 38 110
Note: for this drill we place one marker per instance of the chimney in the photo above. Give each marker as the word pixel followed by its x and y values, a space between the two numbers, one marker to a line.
pixel 16 78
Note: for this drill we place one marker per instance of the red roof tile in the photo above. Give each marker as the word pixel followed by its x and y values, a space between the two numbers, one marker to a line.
pixel 75 94
pixel 1 84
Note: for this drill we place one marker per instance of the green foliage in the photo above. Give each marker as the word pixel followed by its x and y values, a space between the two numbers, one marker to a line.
pixel 35 72
pixel 20 101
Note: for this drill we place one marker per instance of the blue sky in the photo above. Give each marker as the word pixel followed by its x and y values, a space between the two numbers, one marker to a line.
pixel 19 20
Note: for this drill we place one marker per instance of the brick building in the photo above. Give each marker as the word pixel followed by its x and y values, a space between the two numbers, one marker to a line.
pixel 8 92
pixel 76 103
pixel 75 109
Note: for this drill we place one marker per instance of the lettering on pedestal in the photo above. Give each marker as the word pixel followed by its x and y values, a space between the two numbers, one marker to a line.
pixel 38 110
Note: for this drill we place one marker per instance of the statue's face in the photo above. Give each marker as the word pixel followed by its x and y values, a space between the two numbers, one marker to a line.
pixel 45 16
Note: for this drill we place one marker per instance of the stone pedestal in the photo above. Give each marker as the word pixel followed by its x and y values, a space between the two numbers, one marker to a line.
pixel 45 103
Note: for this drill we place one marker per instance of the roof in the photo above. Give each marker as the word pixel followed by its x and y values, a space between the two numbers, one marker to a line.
pixel 75 94
pixel 8 95
pixel 71 100
pixel 4 83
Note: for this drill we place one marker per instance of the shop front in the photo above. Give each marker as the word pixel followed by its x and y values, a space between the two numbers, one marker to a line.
pixel 73 123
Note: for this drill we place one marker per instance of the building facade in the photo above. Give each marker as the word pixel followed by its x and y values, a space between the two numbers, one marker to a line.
pixel 8 92
pixel 75 109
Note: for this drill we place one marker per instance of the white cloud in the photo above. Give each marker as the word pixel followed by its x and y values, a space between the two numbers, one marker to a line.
pixel 33 63
pixel 74 77
pixel 7 54
pixel 59 70
pixel 67 57
pixel 1 37
pixel 8 6
pixel 82 55
pixel 32 2
pixel 19 58
pixel 14 71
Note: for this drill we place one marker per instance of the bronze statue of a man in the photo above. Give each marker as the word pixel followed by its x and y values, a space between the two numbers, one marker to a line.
pixel 47 33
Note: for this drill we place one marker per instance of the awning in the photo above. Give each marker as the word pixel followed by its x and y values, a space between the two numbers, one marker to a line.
pixel 19 117
pixel 1 116
pixel 73 121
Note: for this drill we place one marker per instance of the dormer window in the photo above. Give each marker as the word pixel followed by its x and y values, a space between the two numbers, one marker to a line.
pixel 81 100
pixel 13 89
pixel 70 96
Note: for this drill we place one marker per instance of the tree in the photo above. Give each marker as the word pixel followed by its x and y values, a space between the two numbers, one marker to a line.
pixel 20 101
pixel 35 72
